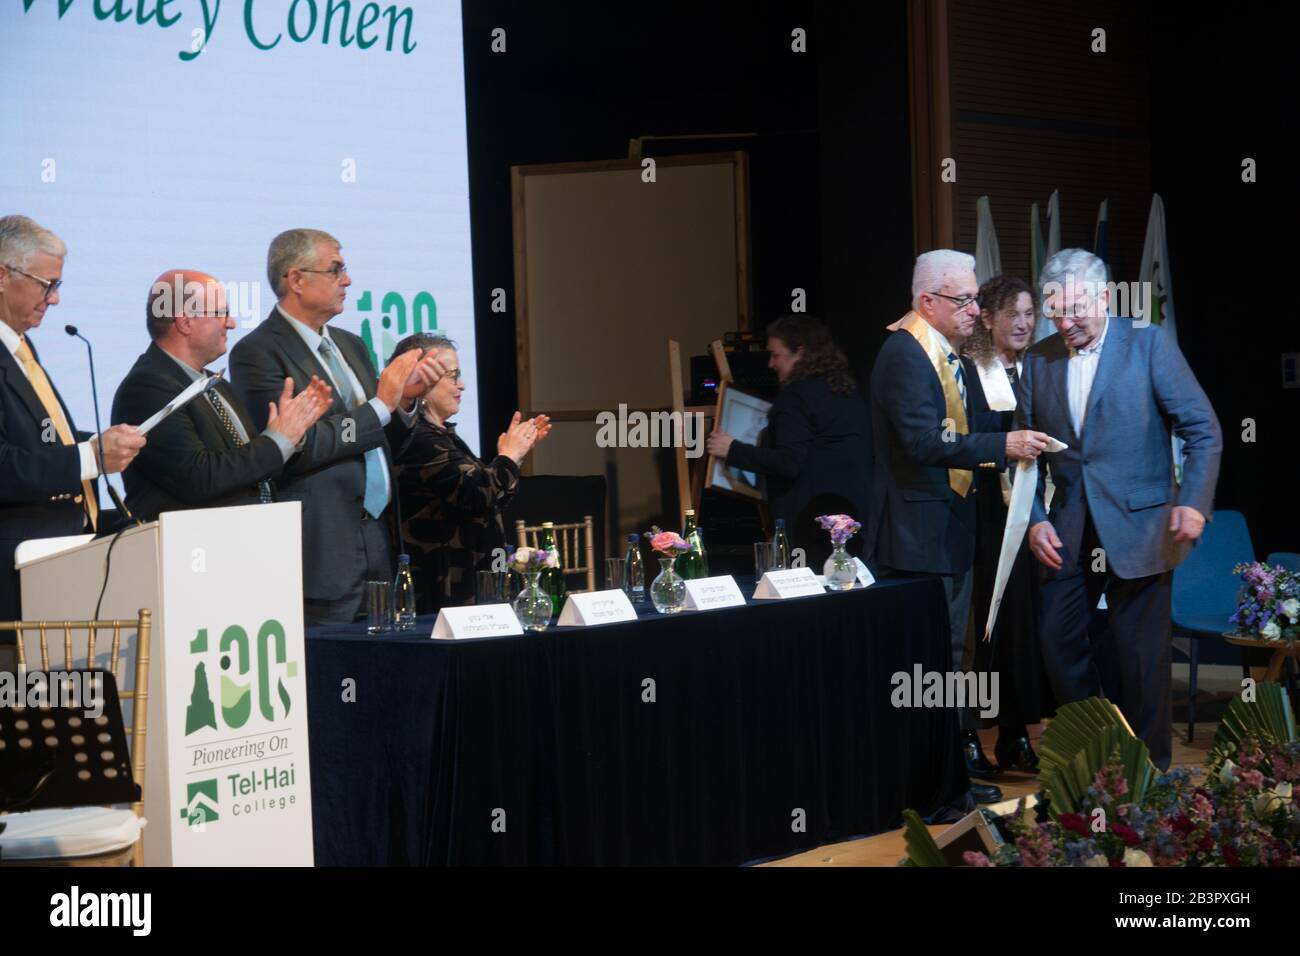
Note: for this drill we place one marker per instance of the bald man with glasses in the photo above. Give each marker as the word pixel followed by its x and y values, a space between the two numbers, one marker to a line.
pixel 48 468
pixel 208 454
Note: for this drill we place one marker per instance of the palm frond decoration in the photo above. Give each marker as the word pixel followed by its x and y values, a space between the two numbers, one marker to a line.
pixel 1081 739
pixel 1267 719
pixel 921 848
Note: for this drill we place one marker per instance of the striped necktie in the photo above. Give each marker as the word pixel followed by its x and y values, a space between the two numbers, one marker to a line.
pixel 960 375
pixel 264 495
pixel 45 392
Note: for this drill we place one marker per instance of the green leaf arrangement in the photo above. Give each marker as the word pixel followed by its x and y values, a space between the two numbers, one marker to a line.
pixel 1267 719
pixel 1080 740
pixel 921 848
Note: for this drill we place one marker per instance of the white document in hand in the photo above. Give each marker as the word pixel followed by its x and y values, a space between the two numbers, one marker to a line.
pixel 1021 506
pixel 195 389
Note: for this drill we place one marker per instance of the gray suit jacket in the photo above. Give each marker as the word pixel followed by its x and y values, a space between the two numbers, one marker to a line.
pixel 329 475
pixel 1121 469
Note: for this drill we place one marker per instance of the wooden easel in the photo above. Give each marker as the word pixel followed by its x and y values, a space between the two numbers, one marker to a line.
pixel 690 488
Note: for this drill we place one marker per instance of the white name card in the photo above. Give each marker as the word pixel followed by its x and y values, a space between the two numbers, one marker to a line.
pixel 865 577
pixel 597 607
pixel 792 582
pixel 481 620
pixel 705 594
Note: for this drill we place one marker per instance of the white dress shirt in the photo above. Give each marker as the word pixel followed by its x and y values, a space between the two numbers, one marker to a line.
pixel 89 469
pixel 1081 372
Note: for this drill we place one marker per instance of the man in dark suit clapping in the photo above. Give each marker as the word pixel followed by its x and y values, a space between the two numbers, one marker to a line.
pixel 344 481
pixel 209 453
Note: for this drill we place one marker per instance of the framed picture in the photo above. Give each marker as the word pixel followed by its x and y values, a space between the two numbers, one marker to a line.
pixel 742 416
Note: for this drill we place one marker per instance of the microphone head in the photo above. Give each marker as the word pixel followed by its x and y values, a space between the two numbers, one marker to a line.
pixel 70 329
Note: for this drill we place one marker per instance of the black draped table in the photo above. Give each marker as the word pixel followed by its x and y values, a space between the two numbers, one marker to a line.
pixel 716 737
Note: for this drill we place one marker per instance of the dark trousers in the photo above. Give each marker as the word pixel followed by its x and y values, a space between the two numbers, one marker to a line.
pixel 352 605
pixel 1127 662
pixel 957 589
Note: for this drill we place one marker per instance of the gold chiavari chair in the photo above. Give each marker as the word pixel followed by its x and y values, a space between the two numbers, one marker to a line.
pixel 132 852
pixel 572 540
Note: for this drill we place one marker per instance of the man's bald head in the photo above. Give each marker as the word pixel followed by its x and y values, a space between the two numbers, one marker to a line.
pixel 179 292
pixel 187 315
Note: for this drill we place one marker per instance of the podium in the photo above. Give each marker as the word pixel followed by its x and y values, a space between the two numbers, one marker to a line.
pixel 227 772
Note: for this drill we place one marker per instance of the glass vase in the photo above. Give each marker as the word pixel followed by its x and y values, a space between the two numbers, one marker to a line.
pixel 668 591
pixel 533 605
pixel 840 571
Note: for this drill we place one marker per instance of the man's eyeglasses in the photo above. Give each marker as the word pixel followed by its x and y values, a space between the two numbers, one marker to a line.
pixel 223 315
pixel 50 286
pixel 335 271
pixel 959 302
pixel 1080 311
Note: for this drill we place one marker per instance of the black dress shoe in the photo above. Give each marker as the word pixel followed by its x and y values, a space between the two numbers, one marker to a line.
pixel 986 793
pixel 977 765
pixel 1014 753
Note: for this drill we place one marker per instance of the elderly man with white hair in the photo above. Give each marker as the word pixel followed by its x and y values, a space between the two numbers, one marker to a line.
pixel 47 467
pixel 1119 523
pixel 928 441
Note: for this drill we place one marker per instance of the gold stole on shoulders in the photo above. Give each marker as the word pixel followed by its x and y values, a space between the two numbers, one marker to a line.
pixel 959 479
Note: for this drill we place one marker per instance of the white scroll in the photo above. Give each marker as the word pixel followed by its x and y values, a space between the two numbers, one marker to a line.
pixel 1018 511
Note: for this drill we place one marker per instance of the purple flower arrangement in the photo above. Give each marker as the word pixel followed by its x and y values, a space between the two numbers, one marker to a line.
pixel 524 560
pixel 1268 605
pixel 841 527
pixel 1245 814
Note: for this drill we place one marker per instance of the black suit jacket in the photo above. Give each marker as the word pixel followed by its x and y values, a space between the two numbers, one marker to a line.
pixel 917 522
pixel 329 474
pixel 38 479
pixel 190 461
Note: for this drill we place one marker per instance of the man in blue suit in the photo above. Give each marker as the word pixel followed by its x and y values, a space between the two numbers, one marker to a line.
pixel 1114 391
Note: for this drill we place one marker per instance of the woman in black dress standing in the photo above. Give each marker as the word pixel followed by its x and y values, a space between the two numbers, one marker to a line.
pixel 815 451
pixel 452 501
pixel 1008 308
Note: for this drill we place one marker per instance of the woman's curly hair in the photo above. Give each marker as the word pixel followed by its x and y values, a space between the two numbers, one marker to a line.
pixel 994 296
pixel 821 357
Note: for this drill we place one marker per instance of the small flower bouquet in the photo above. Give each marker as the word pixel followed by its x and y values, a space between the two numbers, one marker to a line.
pixel 668 543
pixel 1268 606
pixel 841 527
pixel 524 560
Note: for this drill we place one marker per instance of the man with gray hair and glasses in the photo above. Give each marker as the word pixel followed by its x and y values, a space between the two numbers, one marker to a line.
pixel 47 467
pixel 928 441
pixel 1119 521
pixel 343 476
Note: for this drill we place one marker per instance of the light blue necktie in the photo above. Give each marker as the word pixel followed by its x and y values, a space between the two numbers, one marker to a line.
pixel 376 499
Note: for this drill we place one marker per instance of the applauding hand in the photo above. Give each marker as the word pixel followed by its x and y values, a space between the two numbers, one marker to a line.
pixel 520 437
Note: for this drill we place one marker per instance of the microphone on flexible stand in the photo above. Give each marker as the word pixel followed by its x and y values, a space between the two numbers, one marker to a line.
pixel 99 431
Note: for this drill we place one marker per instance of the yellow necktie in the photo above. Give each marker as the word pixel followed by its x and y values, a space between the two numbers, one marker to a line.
pixel 959 479
pixel 45 392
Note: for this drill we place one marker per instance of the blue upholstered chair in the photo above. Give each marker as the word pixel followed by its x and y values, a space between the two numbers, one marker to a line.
pixel 1205 591
pixel 1288 559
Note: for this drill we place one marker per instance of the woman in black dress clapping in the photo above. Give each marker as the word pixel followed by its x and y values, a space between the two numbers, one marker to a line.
pixel 453 501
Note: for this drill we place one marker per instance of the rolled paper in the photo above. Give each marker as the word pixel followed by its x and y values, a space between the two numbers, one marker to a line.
pixel 1023 489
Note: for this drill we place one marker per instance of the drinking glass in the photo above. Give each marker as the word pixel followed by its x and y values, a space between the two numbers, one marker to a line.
pixel 379 607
